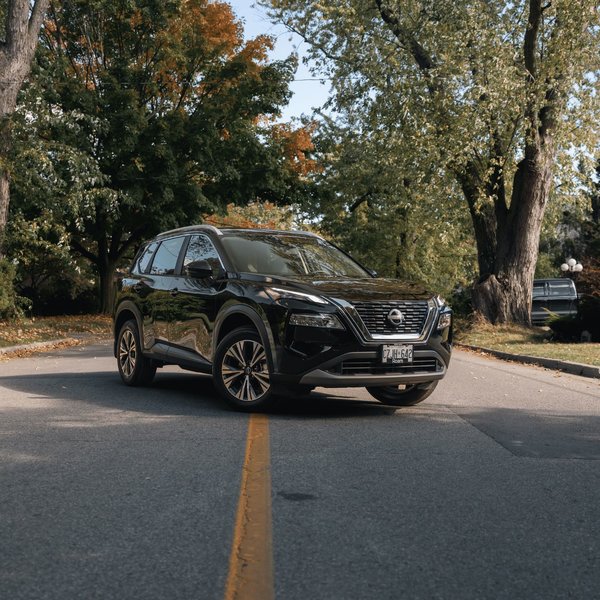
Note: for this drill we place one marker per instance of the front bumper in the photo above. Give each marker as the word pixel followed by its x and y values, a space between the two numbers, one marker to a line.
pixel 361 369
pixel 345 358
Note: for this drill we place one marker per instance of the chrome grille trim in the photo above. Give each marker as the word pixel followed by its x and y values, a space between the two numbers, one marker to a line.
pixel 353 316
pixel 374 317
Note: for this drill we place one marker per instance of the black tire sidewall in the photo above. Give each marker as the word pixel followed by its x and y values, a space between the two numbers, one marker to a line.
pixel 143 371
pixel 410 397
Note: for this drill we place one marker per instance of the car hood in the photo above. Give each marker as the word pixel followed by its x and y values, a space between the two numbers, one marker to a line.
pixel 352 290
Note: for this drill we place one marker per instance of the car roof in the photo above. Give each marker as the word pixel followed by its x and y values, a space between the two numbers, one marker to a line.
pixel 554 280
pixel 205 228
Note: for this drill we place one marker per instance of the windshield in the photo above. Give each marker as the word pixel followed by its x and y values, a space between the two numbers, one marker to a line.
pixel 288 255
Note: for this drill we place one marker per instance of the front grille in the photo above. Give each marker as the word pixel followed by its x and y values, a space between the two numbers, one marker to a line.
pixel 370 366
pixel 374 316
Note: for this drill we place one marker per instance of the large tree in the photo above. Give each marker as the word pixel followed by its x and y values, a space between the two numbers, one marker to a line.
pixel 143 115
pixel 492 93
pixel 22 21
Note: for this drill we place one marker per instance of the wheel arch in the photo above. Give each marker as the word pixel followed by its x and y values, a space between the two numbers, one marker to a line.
pixel 240 315
pixel 125 312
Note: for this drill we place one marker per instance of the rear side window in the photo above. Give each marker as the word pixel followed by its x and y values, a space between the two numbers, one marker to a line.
pixel 201 248
pixel 143 261
pixel 165 259
pixel 560 288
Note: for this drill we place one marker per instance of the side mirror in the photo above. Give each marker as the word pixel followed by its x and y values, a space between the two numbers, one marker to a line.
pixel 199 269
pixel 372 272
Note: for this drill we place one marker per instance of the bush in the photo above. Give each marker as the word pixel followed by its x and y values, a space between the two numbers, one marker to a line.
pixel 11 305
pixel 461 301
pixel 46 271
pixel 588 312
pixel 570 329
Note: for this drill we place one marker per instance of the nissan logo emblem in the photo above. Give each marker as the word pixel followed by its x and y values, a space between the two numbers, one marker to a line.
pixel 395 317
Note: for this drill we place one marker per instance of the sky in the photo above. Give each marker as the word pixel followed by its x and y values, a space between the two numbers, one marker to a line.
pixel 306 93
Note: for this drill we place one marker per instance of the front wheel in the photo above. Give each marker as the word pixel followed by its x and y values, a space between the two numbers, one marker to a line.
pixel 241 371
pixel 134 368
pixel 403 395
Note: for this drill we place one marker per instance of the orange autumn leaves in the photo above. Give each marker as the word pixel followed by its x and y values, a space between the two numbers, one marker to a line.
pixel 297 146
pixel 178 50
pixel 255 215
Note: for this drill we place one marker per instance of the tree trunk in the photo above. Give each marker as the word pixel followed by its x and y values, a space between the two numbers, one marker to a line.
pixel 22 28
pixel 8 102
pixel 107 287
pixel 504 294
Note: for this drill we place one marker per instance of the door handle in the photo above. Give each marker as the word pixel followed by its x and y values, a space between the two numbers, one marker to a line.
pixel 174 292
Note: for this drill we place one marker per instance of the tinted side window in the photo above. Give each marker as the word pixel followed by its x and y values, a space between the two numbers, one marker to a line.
pixel 201 248
pixel 165 259
pixel 144 260
pixel 539 289
pixel 559 288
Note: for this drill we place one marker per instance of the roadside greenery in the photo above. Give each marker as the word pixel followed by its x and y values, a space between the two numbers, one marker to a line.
pixel 487 101
pixel 531 341
pixel 140 117
pixel 143 116
pixel 42 329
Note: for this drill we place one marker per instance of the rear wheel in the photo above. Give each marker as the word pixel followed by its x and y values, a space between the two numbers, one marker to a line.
pixel 134 368
pixel 241 371
pixel 403 395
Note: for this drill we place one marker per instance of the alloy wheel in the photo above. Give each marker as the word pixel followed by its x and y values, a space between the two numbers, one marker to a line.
pixel 127 353
pixel 245 372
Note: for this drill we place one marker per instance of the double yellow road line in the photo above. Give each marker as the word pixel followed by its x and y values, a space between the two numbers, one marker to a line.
pixel 251 560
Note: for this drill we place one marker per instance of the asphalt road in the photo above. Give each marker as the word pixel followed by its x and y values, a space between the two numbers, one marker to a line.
pixel 489 489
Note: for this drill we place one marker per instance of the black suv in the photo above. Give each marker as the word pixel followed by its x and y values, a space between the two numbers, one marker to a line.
pixel 268 312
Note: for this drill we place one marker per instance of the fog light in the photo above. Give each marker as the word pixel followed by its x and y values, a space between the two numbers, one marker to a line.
pixel 445 320
pixel 316 320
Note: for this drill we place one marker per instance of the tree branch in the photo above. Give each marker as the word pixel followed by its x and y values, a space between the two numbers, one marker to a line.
pixel 37 18
pixel 84 251
pixel 530 44
pixel 134 238
pixel 423 59
pixel 360 200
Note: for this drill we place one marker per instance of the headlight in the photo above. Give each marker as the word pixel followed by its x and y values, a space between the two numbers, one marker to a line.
pixel 445 320
pixel 277 293
pixel 322 320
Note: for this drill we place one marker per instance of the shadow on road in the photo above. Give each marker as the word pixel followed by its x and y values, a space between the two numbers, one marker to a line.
pixel 172 394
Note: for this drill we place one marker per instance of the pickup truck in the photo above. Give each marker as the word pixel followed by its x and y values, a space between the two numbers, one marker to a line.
pixel 558 296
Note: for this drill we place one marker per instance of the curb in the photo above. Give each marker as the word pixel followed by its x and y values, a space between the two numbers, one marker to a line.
pixel 72 340
pixel 549 363
pixel 37 345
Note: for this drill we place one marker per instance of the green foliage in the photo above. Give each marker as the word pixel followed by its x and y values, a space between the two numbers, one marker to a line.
pixel 47 272
pixel 142 116
pixel 402 227
pixel 567 329
pixel 12 306
pixel 457 98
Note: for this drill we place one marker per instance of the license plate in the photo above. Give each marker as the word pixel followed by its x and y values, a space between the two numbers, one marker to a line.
pixel 397 354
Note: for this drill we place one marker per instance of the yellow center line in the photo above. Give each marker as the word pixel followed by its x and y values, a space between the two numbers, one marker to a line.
pixel 251 560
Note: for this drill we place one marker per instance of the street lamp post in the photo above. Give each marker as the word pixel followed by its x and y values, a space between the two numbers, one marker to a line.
pixel 571 267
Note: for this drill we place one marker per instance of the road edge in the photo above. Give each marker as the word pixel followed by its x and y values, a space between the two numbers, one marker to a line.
pixel 554 364
pixel 72 340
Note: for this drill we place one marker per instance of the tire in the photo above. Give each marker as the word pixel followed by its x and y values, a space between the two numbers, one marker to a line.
pixel 241 371
pixel 295 391
pixel 409 395
pixel 135 369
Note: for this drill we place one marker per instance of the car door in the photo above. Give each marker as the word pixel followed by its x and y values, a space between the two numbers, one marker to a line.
pixel 192 329
pixel 160 300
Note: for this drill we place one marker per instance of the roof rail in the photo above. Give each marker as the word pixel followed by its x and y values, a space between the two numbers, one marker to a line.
pixel 190 228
